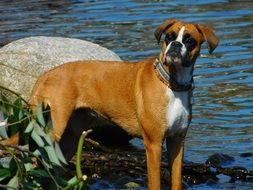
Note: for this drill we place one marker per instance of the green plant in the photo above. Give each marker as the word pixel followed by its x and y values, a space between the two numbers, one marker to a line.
pixel 19 167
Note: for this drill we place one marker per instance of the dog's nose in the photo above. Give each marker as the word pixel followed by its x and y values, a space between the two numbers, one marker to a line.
pixel 176 44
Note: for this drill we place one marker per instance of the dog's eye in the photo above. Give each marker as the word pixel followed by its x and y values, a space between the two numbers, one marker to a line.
pixel 170 37
pixel 189 41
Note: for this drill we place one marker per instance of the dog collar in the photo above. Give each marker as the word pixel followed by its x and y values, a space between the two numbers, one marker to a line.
pixel 169 81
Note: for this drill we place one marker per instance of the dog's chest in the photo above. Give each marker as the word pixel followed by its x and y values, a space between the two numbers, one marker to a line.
pixel 178 112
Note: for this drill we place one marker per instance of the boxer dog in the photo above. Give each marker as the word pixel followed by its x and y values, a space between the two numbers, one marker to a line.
pixel 150 99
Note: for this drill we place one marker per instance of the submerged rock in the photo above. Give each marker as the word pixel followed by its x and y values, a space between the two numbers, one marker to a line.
pixel 246 154
pixel 219 159
pixel 131 185
pixel 22 61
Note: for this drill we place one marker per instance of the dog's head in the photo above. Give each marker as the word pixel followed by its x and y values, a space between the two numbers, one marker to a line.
pixel 182 43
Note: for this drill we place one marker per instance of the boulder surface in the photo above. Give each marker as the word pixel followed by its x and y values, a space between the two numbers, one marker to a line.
pixel 22 61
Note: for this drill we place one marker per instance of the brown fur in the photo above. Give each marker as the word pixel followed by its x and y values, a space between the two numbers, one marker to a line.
pixel 104 87
pixel 130 94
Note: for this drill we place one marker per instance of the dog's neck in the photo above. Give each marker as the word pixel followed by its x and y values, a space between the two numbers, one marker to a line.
pixel 175 81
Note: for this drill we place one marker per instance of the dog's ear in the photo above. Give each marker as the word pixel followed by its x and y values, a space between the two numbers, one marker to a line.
pixel 159 31
pixel 209 37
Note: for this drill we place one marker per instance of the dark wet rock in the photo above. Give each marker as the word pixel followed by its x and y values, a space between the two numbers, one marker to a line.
pixel 124 166
pixel 249 179
pixel 219 159
pixel 194 173
pixel 240 173
pixel 196 168
pixel 236 173
pixel 200 179
pixel 246 154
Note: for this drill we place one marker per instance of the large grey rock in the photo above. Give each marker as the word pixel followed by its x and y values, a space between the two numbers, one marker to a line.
pixel 22 61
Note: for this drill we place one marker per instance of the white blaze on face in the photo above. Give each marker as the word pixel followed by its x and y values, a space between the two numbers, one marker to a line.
pixel 180 35
pixel 180 39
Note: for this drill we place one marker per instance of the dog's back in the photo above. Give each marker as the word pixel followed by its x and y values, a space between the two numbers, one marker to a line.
pixel 97 85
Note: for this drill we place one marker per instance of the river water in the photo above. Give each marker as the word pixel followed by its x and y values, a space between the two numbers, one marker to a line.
pixel 223 110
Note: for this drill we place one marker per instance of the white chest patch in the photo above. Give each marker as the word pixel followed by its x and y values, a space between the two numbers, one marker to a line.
pixel 178 112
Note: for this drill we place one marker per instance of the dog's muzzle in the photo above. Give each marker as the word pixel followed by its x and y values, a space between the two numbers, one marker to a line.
pixel 175 49
pixel 177 54
pixel 174 53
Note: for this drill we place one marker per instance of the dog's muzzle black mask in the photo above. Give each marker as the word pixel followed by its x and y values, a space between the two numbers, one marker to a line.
pixel 175 50
pixel 175 54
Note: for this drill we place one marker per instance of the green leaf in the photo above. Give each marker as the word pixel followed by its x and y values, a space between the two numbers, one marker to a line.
pixel 39 114
pixel 52 155
pixel 1 114
pixel 39 173
pixel 2 178
pixel 28 166
pixel 37 152
pixel 45 137
pixel 4 172
pixel 20 114
pixel 3 130
pixel 59 153
pixel 5 161
pixel 72 180
pixel 13 166
pixel 17 107
pixel 48 140
pixel 13 183
pixel 40 152
pixel 39 130
pixel 29 127
pixel 37 138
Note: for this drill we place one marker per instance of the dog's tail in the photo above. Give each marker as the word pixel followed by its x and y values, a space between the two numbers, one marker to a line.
pixel 39 93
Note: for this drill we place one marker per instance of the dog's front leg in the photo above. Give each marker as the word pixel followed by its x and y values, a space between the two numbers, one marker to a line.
pixel 175 149
pixel 153 155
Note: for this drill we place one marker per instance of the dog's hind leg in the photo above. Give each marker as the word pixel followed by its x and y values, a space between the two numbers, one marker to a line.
pixel 79 121
pixel 60 117
pixel 104 131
